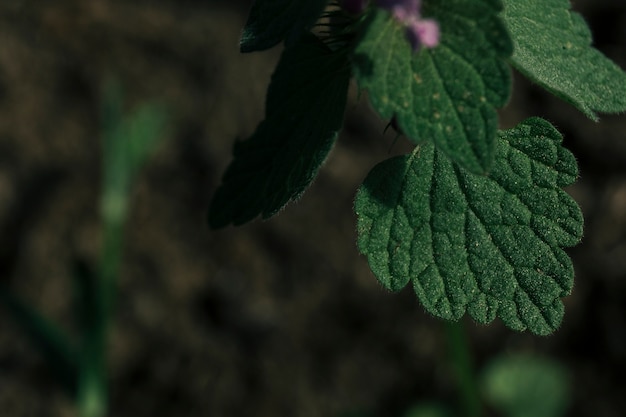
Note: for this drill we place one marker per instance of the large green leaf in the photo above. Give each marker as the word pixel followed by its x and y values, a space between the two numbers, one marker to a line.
pixel 272 21
pixel 489 245
pixel 304 112
pixel 448 94
pixel 553 48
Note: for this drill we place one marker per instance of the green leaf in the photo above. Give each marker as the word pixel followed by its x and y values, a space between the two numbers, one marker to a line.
pixel 51 341
pixel 448 94
pixel 272 21
pixel 553 48
pixel 303 114
pixel 127 143
pixel 526 386
pixel 489 245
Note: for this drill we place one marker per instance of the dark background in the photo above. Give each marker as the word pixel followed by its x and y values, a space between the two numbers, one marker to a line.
pixel 275 318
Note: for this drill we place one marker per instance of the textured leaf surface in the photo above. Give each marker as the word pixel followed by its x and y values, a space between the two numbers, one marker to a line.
pixel 553 48
pixel 303 114
pixel 489 245
pixel 447 94
pixel 272 21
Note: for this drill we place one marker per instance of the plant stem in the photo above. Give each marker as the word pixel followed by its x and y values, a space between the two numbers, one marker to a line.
pixel 126 145
pixel 461 361
pixel 93 390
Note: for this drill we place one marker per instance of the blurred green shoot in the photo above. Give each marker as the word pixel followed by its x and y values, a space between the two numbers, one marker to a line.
pixel 127 142
pixel 81 368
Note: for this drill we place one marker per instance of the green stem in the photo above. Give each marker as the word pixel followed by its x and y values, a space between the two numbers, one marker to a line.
pixel 93 387
pixel 126 144
pixel 461 361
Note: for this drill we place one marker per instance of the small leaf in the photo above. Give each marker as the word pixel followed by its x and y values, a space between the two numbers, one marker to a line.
pixel 272 21
pixel 304 112
pixel 51 341
pixel 553 48
pixel 526 386
pixel 127 143
pixel 489 245
pixel 448 94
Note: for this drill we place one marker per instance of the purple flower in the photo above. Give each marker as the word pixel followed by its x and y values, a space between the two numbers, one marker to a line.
pixel 423 32
pixel 419 32
pixel 402 10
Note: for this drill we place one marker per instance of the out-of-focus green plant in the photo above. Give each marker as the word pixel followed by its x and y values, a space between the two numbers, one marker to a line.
pixel 80 363
pixel 526 386
pixel 127 141
pixel 514 386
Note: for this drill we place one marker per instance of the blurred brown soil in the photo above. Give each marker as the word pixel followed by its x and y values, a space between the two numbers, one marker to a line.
pixel 274 318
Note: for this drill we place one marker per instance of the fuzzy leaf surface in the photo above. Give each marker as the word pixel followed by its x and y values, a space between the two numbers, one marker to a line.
pixel 448 94
pixel 272 21
pixel 303 114
pixel 553 48
pixel 487 245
